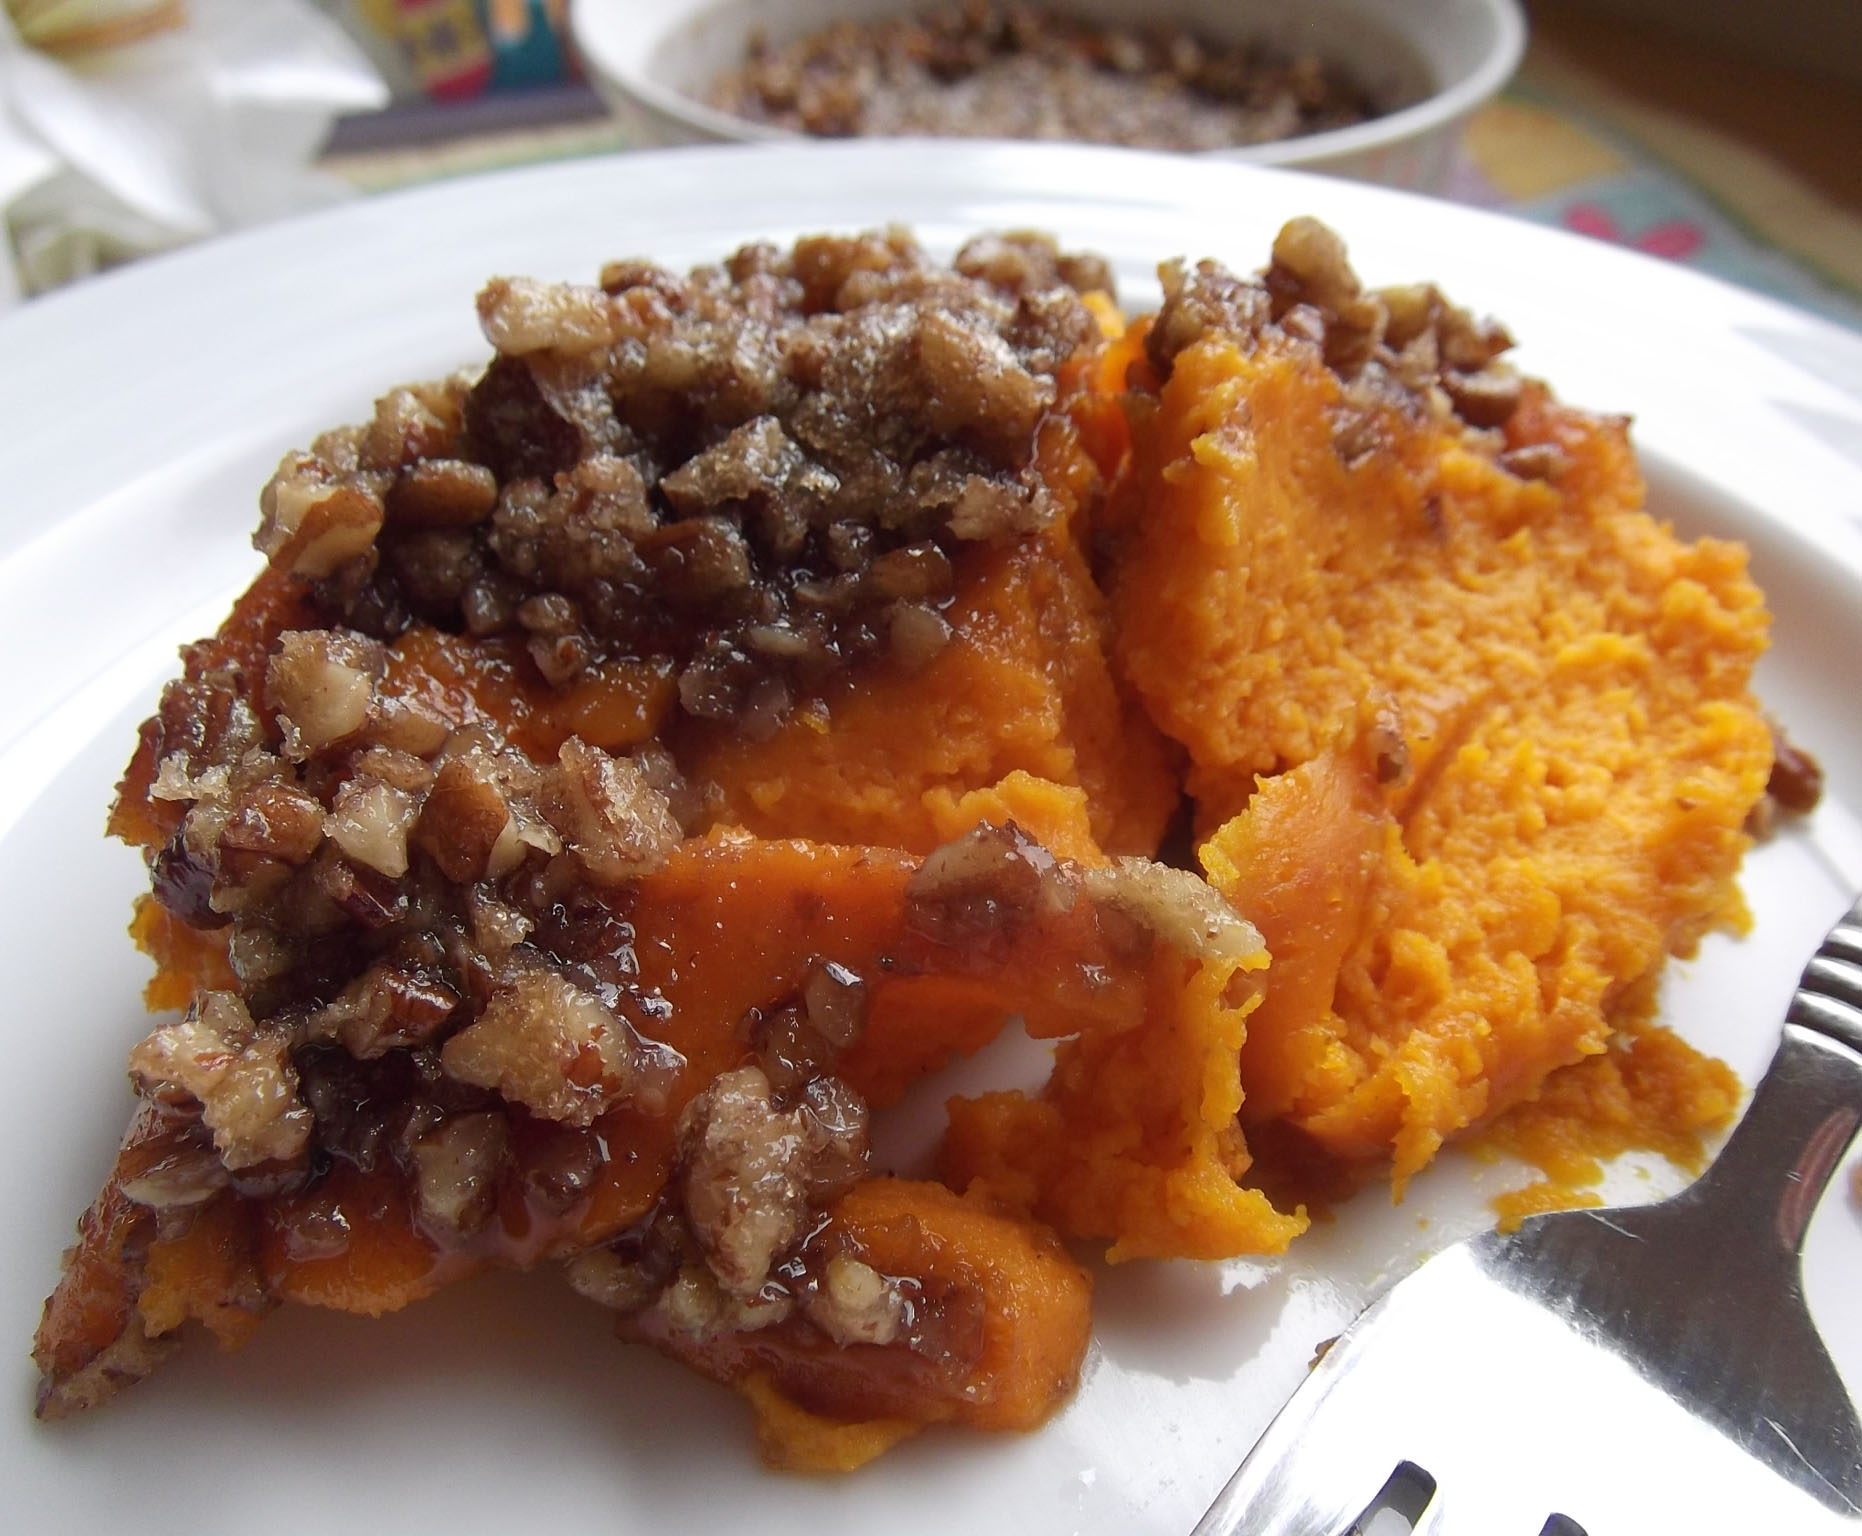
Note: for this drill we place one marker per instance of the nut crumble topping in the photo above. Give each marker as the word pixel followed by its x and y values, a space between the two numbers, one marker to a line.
pixel 1402 349
pixel 1025 71
pixel 759 470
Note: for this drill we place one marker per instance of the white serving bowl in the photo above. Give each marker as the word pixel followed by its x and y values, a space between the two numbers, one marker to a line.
pixel 652 60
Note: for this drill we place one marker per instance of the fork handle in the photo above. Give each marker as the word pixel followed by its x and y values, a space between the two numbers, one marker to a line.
pixel 1806 1108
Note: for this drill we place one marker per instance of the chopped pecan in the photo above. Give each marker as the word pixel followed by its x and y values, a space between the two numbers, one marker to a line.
pixel 751 1172
pixel 546 1044
pixel 370 822
pixel 463 817
pixel 610 816
pixel 520 315
pixel 322 684
pixel 312 522
pixel 984 885
pixel 442 493
pixel 1180 908
pixel 457 1168
pixel 239 1074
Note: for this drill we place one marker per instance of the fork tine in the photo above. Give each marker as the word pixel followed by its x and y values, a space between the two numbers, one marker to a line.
pixel 1400 1506
pixel 1473 1507
pixel 1264 1498
pixel 1275 1491
pixel 1430 1523
pixel 1331 1453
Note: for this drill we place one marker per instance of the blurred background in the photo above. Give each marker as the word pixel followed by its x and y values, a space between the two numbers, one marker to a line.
pixel 1715 133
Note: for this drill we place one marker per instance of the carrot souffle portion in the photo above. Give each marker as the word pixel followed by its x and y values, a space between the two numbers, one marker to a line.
pixel 641 759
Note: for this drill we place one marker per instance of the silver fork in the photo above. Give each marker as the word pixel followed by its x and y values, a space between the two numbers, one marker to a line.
pixel 1624 1372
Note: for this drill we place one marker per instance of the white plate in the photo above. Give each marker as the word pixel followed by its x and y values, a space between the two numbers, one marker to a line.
pixel 138 416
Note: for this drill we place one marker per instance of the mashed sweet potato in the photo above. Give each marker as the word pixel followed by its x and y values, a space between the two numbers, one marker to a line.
pixel 1470 736
pixel 1024 687
pixel 643 761
pixel 1511 711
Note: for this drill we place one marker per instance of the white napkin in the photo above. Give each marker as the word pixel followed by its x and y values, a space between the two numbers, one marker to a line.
pixel 211 126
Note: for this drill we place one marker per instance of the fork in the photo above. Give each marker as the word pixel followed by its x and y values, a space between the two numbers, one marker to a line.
pixel 1622 1372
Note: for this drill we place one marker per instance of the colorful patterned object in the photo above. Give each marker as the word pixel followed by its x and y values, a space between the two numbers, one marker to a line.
pixel 458 49
pixel 441 41
pixel 1543 161
pixel 1676 239
pixel 528 41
